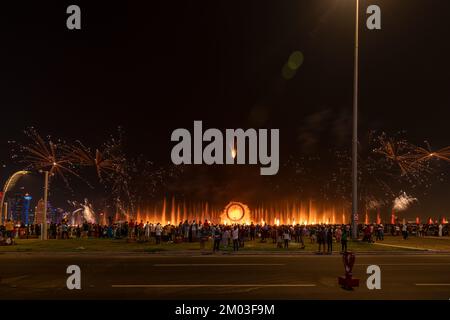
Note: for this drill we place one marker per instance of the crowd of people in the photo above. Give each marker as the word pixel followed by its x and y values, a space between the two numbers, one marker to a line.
pixel 221 235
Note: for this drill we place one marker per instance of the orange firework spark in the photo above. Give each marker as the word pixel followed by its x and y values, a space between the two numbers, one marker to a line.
pixel 47 156
pixel 105 163
pixel 401 153
pixel 426 154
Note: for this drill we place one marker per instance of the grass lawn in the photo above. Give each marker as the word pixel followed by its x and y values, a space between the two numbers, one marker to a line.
pixel 107 245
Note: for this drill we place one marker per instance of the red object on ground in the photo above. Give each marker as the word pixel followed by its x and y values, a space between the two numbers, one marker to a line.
pixel 347 282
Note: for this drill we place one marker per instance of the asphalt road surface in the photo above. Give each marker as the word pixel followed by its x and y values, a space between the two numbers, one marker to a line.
pixel 147 276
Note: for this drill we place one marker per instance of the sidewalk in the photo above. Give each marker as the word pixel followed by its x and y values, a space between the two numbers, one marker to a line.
pixel 191 253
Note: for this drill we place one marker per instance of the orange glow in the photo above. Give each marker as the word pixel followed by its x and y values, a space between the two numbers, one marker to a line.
pixel 235 212
pixel 302 212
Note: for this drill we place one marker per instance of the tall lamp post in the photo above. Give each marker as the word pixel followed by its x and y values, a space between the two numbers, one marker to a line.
pixel 355 131
pixel 44 218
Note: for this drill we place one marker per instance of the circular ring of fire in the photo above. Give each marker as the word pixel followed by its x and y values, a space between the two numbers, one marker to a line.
pixel 235 211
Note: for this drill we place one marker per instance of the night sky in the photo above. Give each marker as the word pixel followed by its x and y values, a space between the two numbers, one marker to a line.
pixel 156 66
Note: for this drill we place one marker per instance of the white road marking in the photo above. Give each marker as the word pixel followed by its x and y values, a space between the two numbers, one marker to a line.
pixel 215 264
pixel 402 247
pixel 206 285
pixel 432 284
pixel 406 264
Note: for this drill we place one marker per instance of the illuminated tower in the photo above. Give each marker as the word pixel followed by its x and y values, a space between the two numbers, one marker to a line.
pixel 26 218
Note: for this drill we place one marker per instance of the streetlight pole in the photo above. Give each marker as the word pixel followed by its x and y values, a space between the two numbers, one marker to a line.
pixel 44 222
pixel 355 131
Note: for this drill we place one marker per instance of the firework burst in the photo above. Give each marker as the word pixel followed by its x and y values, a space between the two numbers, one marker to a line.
pixel 403 201
pixel 45 155
pixel 106 163
pixel 401 154
pixel 427 154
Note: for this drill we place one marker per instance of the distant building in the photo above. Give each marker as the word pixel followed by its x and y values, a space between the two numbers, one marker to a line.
pixel 19 208
pixel 56 214
pixel 53 214
pixel 39 212
pixel 28 215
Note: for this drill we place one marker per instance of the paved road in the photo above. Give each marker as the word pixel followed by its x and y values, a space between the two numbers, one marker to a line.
pixel 130 276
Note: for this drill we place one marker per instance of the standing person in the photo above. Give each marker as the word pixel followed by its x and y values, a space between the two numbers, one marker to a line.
pixel 217 236
pixel 9 228
pixel 313 235
pixel 265 233
pixel 286 237
pixel 405 232
pixel 330 240
pixel 279 236
pixel 381 232
pixel 158 231
pixel 338 234
pixel 252 232
pixel 147 231
pixel 274 234
pixel 321 239
pixel 185 231
pixel 131 229
pixel 193 231
pixel 65 230
pixel 297 232
pixel 242 232
pixel 366 232
pixel 345 234
pixel 109 231
pixel 85 229
pixel 235 235
pixel 371 230
pixel 324 237
pixel 190 232
pixel 165 233
pixel 300 237
pixel 225 238
pixel 141 230
pixel 204 236
pixel 440 229
pixel 199 230
pixel 153 231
